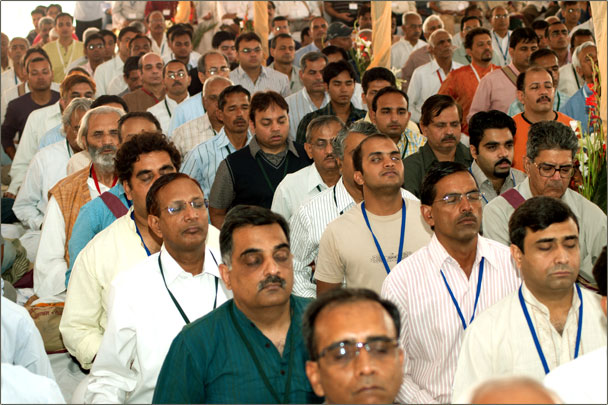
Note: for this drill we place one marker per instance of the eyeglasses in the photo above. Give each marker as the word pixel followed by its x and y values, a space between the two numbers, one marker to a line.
pixel 547 170
pixel 456 198
pixel 573 10
pixel 172 75
pixel 90 47
pixel 213 71
pixel 250 50
pixel 342 353
pixel 501 16
pixel 178 207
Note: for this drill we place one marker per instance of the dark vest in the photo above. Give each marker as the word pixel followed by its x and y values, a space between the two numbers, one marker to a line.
pixel 250 185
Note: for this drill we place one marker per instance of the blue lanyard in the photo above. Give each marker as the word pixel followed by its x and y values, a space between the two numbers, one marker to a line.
pixel 539 349
pixel 464 324
pixel 506 52
pixel 401 237
pixel 139 234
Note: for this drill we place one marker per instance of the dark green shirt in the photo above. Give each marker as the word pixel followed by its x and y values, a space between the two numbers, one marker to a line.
pixel 208 362
pixel 355 115
pixel 416 165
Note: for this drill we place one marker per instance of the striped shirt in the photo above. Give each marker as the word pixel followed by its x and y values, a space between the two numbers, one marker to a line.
pixel 186 111
pixel 431 330
pixel 410 143
pixel 269 79
pixel 295 84
pixel 188 135
pixel 300 104
pixel 201 163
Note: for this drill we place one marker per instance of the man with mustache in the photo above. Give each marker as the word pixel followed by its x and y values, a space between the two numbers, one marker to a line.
pixel 299 187
pixel 549 160
pixel 202 162
pixel 182 279
pixel 175 81
pixel 536 91
pixel 153 89
pixel 440 120
pixel 156 27
pixel 99 135
pixel 550 319
pixel 491 137
pixel 251 349
pixel 443 287
pixel 382 230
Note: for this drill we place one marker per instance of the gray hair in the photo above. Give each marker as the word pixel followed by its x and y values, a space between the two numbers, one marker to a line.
pixel 202 67
pixel 45 21
pixel 139 26
pixel 320 122
pixel 428 20
pixel 311 57
pixel 214 79
pixel 77 104
pixel 433 35
pixel 575 59
pixel 84 123
pixel 548 135
pixel 409 14
pixel 361 127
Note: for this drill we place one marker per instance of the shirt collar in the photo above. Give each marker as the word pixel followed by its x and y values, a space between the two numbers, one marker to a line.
pixel 254 147
pixel 308 99
pixel 533 301
pixel 172 270
pixel 314 180
pixel 343 199
pixel 222 139
pixel 439 255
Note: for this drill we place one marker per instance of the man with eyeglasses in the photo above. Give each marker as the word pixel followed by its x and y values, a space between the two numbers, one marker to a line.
pixel 549 320
pixel 536 91
pixel 571 14
pixel 156 26
pixel 549 161
pixel 176 81
pixel 211 64
pixel 557 33
pixel 299 187
pixel 251 349
pixel 440 123
pixel 501 34
pixel 438 288
pixel 182 279
pixel 352 335
pixel 94 54
pixel 251 74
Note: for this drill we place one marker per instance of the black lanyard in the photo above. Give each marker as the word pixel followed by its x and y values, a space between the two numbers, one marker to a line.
pixel 259 366
pixel 179 308
pixel 272 188
pixel 336 201
pixel 167 107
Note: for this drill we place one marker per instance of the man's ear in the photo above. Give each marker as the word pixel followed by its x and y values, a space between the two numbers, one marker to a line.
pixel 520 96
pixel 473 151
pixel 225 273
pixel 517 255
pixel 154 225
pixel 308 149
pixel 427 214
pixel 128 190
pixel 201 77
pixel 372 115
pixel 527 165
pixel 358 176
pixel 314 376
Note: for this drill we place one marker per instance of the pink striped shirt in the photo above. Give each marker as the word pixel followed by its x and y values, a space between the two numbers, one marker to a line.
pixel 431 330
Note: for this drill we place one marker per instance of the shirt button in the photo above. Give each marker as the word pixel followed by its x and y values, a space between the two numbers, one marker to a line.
pixel 267 345
pixel 282 372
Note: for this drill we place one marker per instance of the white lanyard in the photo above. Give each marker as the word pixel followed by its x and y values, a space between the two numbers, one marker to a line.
pixel 475 71
pixel 63 64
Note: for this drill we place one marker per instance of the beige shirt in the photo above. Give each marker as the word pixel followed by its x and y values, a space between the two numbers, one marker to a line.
pixel 347 249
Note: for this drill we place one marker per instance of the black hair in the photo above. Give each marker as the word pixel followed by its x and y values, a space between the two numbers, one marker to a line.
pixel 273 42
pixel 469 18
pixel 247 36
pixel 140 36
pixel 335 298
pixel 537 214
pixel 140 144
pixel 262 100
pixel 92 37
pixel 377 73
pixel 540 25
pixel 237 88
pixel 62 14
pixel 335 68
pixel 358 152
pixel 138 114
pixel 174 61
pixel 305 31
pixel 131 64
pixel 434 105
pixel 220 37
pixel 541 53
pixel 524 35
pixel 108 99
pixel 178 32
pixel 483 120
pixel 127 30
pixel 436 172
pixel 279 18
pixel 33 50
pixel 364 9
pixel 332 49
pixel 152 204
pixel 580 33
pixel 599 272
pixel 246 215
pixel 105 33
pixel 388 90
pixel 469 38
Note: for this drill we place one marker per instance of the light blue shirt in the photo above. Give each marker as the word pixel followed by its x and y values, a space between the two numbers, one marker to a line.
pixel 51 136
pixel 559 102
pixel 201 163
pixel 303 51
pixel 576 109
pixel 185 111
pixel 300 104
pixel 94 217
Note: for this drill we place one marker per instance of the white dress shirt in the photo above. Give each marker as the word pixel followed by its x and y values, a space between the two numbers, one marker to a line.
pixel 196 131
pixel 9 79
pixel 240 8
pixel 296 10
pixel 163 50
pixel 296 189
pixel 569 80
pixel 143 321
pixel 46 168
pixel 88 10
pixel 37 124
pixel 431 330
pixel 401 50
pixel 20 386
pixel 493 348
pixel 117 86
pixel 269 79
pixel 21 342
pixel 106 72
pixel 300 104
pixel 50 266
pixel 425 82
pixel 501 47
pixel 163 111
pixel 127 10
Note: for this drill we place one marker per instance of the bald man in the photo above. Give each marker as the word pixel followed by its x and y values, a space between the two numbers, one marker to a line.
pixel 153 90
pixel 513 390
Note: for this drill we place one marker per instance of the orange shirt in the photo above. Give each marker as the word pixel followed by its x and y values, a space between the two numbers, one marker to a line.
pixel 461 84
pixel 521 136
